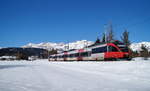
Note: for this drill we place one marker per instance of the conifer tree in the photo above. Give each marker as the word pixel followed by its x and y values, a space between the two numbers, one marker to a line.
pixel 21 56
pixel 104 38
pixel 53 51
pixel 110 36
pixel 97 40
pixel 125 38
pixel 144 52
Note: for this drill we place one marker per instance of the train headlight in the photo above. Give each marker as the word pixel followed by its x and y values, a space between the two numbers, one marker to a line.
pixel 126 55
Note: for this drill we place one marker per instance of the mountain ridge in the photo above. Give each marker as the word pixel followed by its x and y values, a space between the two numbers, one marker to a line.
pixel 78 45
pixel 60 46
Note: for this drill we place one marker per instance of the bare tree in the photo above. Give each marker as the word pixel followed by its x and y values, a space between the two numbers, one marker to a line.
pixel 110 35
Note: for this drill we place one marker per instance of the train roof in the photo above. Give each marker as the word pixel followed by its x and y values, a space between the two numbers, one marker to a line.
pixel 116 42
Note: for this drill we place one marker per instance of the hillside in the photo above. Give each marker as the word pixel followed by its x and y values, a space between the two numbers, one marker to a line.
pixel 13 51
pixel 137 46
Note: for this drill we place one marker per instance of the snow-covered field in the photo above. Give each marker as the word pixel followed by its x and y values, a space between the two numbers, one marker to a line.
pixel 42 75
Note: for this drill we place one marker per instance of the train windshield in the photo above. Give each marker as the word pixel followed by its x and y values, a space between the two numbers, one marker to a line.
pixel 122 46
pixel 124 49
pixel 112 49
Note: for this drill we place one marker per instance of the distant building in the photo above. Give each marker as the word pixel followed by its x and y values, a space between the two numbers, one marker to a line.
pixel 31 58
pixel 8 58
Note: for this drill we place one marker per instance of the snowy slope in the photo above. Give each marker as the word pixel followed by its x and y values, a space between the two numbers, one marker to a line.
pixel 137 46
pixel 74 76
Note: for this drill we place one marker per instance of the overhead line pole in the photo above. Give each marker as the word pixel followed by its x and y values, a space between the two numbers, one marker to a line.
pixel 106 35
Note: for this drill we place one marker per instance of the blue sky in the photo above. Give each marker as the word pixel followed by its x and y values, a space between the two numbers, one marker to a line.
pixel 24 21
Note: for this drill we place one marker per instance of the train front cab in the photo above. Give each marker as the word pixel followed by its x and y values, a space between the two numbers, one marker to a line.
pixel 114 52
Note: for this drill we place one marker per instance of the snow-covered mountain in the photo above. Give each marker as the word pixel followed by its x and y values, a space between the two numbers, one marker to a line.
pixel 60 46
pixel 137 46
pixel 78 45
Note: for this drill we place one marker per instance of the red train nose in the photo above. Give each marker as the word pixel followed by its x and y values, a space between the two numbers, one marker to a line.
pixel 126 55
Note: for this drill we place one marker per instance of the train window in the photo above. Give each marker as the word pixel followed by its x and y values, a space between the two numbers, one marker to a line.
pixel 61 56
pixel 76 54
pixel 124 49
pixel 99 50
pixel 112 49
pixel 84 54
pixel 89 53
pixel 71 55
pixel 65 56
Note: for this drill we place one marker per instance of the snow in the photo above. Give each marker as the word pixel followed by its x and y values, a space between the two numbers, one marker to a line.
pixel 7 57
pixel 42 75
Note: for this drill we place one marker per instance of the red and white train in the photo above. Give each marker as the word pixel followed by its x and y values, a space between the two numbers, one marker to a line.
pixel 100 51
